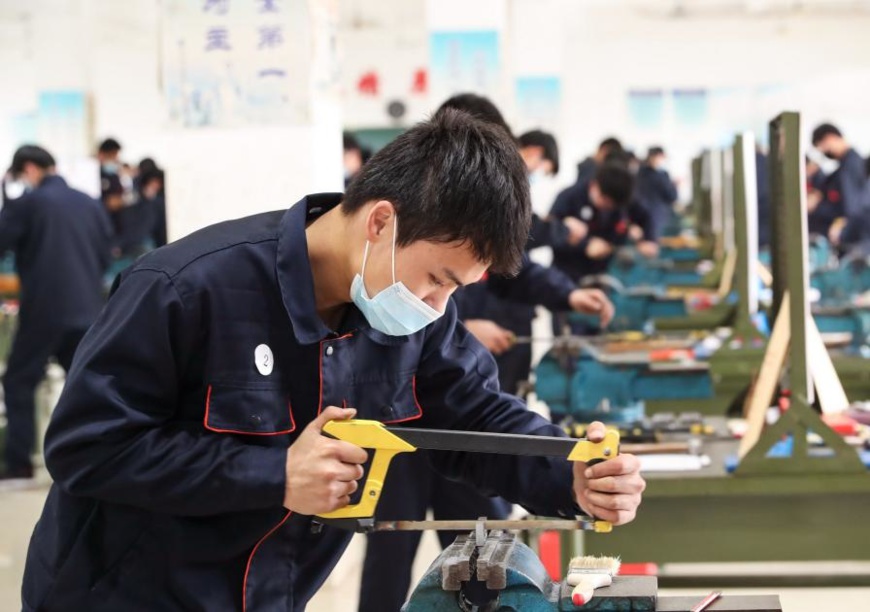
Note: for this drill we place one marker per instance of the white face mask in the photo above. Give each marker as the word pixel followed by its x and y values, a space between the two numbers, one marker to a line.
pixel 395 311
pixel 537 177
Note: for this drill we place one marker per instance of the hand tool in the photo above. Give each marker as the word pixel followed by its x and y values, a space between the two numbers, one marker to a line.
pixel 387 442
pixel 586 574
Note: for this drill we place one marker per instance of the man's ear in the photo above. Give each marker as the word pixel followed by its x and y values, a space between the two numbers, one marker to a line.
pixel 380 220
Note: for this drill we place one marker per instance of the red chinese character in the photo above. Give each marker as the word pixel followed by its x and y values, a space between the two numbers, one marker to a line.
pixel 368 84
pixel 421 81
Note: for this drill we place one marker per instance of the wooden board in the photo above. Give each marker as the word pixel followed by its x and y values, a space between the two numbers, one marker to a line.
pixel 832 396
pixel 768 378
pixel 726 281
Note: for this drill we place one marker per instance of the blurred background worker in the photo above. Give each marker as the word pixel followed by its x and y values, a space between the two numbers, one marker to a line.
pixel 151 191
pixel 586 168
pixel 824 205
pixel 540 152
pixel 656 191
pixel 60 238
pixel 850 178
pixel 596 214
pixel 112 189
pixel 353 157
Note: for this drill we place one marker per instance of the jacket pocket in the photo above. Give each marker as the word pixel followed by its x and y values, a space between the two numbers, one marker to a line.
pixel 254 410
pixel 391 400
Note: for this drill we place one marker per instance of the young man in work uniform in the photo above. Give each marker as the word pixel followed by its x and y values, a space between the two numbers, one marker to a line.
pixel 853 230
pixel 187 448
pixel 61 238
pixel 493 310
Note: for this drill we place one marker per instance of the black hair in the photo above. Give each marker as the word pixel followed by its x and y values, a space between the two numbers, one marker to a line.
pixel 823 131
pixel 610 145
pixel 350 142
pixel 618 157
pixel 109 145
pixel 654 151
pixel 545 140
pixel 479 107
pixel 147 165
pixel 452 178
pixel 152 174
pixel 31 154
pixel 616 182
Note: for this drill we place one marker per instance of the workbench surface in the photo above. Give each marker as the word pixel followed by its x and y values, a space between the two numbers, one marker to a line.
pixel 737 603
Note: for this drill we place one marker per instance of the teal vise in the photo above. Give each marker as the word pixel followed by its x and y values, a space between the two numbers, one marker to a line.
pixel 501 575
pixel 585 389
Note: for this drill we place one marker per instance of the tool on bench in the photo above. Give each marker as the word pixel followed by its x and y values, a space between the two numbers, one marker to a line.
pixel 488 571
pixel 707 601
pixel 387 442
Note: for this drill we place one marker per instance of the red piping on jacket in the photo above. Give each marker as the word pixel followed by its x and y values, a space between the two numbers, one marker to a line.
pixel 251 558
pixel 416 403
pixel 246 433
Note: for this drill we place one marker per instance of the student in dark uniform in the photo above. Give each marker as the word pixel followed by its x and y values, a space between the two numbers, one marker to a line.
pixel 151 190
pixel 186 448
pixel 851 178
pixel 586 169
pixel 824 205
pixel 596 213
pixel 111 186
pixel 598 209
pixel 60 238
pixel 494 310
pixel 762 189
pixel 656 191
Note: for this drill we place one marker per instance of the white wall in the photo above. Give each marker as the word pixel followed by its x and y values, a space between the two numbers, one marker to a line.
pixel 815 61
pixel 817 65
pixel 111 50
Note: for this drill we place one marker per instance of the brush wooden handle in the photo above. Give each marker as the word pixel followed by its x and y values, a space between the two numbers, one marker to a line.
pixel 585 588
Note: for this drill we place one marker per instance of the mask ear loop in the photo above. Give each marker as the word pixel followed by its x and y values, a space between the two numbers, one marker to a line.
pixel 362 272
pixel 395 231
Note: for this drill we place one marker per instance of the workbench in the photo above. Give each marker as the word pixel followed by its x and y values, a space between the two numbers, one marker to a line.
pixel 712 516
pixel 489 570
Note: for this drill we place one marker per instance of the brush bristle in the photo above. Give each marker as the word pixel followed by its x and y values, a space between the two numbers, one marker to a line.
pixel 596 565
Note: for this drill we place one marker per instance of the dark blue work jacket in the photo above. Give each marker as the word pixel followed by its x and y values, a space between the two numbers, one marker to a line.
pixel 657 193
pixel 168 446
pixel 851 177
pixel 61 240
pixel 611 226
pixel 510 301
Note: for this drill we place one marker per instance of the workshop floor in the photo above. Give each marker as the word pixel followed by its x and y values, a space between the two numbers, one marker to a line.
pixel 20 509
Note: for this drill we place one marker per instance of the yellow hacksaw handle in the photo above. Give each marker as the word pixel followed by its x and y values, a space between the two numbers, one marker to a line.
pixel 374 435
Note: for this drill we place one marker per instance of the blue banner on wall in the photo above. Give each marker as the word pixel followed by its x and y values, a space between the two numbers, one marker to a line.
pixel 691 107
pixel 539 100
pixel 464 61
pixel 646 108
